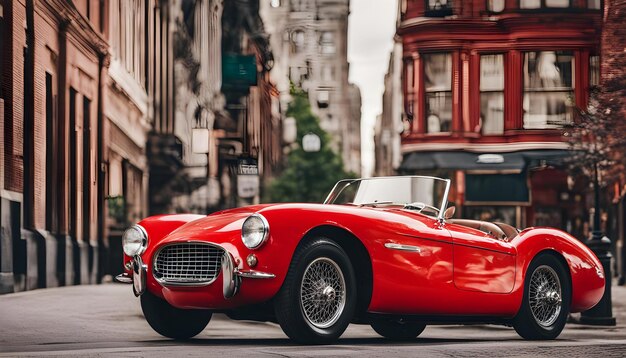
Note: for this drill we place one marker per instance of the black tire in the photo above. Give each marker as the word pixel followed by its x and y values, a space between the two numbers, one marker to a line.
pixel 170 321
pixel 549 323
pixel 298 322
pixel 398 330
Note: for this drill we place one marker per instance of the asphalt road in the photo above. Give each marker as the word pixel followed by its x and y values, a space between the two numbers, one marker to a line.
pixel 106 320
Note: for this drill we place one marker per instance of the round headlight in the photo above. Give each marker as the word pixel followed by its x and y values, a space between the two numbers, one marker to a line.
pixel 135 240
pixel 254 231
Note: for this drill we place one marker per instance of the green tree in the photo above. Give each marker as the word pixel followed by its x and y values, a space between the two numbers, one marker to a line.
pixel 308 176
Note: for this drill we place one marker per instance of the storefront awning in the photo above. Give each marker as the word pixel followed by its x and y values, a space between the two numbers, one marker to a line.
pixel 514 162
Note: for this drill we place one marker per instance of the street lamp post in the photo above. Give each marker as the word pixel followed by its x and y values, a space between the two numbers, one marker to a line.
pixel 602 313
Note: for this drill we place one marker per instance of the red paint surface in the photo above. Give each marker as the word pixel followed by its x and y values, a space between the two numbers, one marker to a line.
pixel 458 271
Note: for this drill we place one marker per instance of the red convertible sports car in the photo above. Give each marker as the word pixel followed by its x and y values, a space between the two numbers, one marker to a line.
pixel 379 251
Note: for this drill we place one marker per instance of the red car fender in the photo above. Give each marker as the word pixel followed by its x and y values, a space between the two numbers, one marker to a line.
pixel 586 273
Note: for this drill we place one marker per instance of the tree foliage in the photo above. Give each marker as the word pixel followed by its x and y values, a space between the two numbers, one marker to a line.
pixel 598 136
pixel 308 176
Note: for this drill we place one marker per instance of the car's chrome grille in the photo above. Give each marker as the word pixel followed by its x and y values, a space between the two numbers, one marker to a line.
pixel 188 263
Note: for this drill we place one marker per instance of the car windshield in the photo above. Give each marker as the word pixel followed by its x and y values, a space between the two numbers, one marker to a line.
pixel 427 194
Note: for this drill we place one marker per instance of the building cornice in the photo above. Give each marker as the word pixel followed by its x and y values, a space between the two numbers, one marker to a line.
pixel 69 19
pixel 482 147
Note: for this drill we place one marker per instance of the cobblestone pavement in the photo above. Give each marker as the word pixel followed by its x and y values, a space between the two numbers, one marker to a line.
pixel 105 320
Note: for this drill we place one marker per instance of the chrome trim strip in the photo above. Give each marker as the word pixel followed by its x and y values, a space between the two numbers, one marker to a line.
pixel 188 284
pixel 444 202
pixel 123 278
pixel 254 274
pixel 401 247
pixel 231 281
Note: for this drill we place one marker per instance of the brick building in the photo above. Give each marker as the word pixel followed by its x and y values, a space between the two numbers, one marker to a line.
pixel 613 96
pixel 54 57
pixel 488 86
pixel 250 132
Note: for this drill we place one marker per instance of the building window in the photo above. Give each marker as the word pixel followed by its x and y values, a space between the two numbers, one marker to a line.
pixel 328 73
pixel 297 41
pixel 492 94
pixel 275 3
pixel 327 43
pixel 297 75
pixel 300 5
pixel 594 71
pixel 548 89
pixel 438 8
pixel 438 92
pixel 538 4
pixel 323 98
pixel 594 4
pixel 495 5
pixel 87 165
pixel 50 160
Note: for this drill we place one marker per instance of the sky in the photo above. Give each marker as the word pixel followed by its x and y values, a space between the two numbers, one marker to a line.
pixel 371 27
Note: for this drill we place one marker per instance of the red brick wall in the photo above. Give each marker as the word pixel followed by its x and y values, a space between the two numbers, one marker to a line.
pixel 613 72
pixel 14 106
pixel 46 53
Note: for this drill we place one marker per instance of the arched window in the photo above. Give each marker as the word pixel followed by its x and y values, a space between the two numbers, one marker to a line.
pixel 327 43
pixel 297 41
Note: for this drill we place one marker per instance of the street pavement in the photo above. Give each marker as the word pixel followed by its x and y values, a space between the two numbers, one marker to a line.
pixel 106 320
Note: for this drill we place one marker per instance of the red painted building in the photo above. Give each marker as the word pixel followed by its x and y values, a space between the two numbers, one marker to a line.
pixel 488 86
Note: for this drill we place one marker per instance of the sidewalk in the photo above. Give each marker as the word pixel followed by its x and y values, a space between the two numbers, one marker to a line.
pixel 618 297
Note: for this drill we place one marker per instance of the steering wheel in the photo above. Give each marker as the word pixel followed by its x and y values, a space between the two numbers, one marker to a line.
pixel 420 206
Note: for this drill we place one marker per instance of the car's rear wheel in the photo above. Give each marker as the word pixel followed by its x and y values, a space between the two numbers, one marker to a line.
pixel 545 305
pixel 398 330
pixel 170 321
pixel 318 298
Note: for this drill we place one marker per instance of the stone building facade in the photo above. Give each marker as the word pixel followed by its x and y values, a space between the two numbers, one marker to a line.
pixel 310 39
pixel 389 124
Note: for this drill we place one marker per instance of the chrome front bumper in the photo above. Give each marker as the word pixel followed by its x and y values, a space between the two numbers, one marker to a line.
pixel 231 276
pixel 138 279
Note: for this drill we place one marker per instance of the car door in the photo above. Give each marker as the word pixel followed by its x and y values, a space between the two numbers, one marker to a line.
pixel 413 267
pixel 481 262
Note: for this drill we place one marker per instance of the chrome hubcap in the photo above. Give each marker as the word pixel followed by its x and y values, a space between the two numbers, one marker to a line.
pixel 322 293
pixel 545 295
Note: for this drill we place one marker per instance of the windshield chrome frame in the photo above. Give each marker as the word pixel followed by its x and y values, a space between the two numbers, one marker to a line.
pixel 444 199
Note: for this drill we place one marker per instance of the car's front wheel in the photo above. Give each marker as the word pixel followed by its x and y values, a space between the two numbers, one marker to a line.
pixel 170 321
pixel 547 294
pixel 398 330
pixel 318 298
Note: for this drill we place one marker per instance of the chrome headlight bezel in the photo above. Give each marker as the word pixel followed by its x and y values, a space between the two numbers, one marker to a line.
pixel 261 227
pixel 141 240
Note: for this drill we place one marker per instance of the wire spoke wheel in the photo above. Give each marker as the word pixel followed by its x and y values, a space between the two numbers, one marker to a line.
pixel 322 293
pixel 545 297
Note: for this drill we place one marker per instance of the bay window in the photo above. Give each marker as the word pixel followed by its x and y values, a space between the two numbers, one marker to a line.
pixel 495 5
pixel 438 8
pixel 537 4
pixel 548 89
pixel 438 92
pixel 492 93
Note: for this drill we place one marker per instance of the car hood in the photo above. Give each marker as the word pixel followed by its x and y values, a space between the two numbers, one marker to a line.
pixel 226 222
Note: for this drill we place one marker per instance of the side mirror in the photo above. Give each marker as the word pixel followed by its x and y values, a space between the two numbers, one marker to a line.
pixel 449 213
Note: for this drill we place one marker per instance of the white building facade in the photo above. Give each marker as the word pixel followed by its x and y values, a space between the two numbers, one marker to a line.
pixel 309 39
